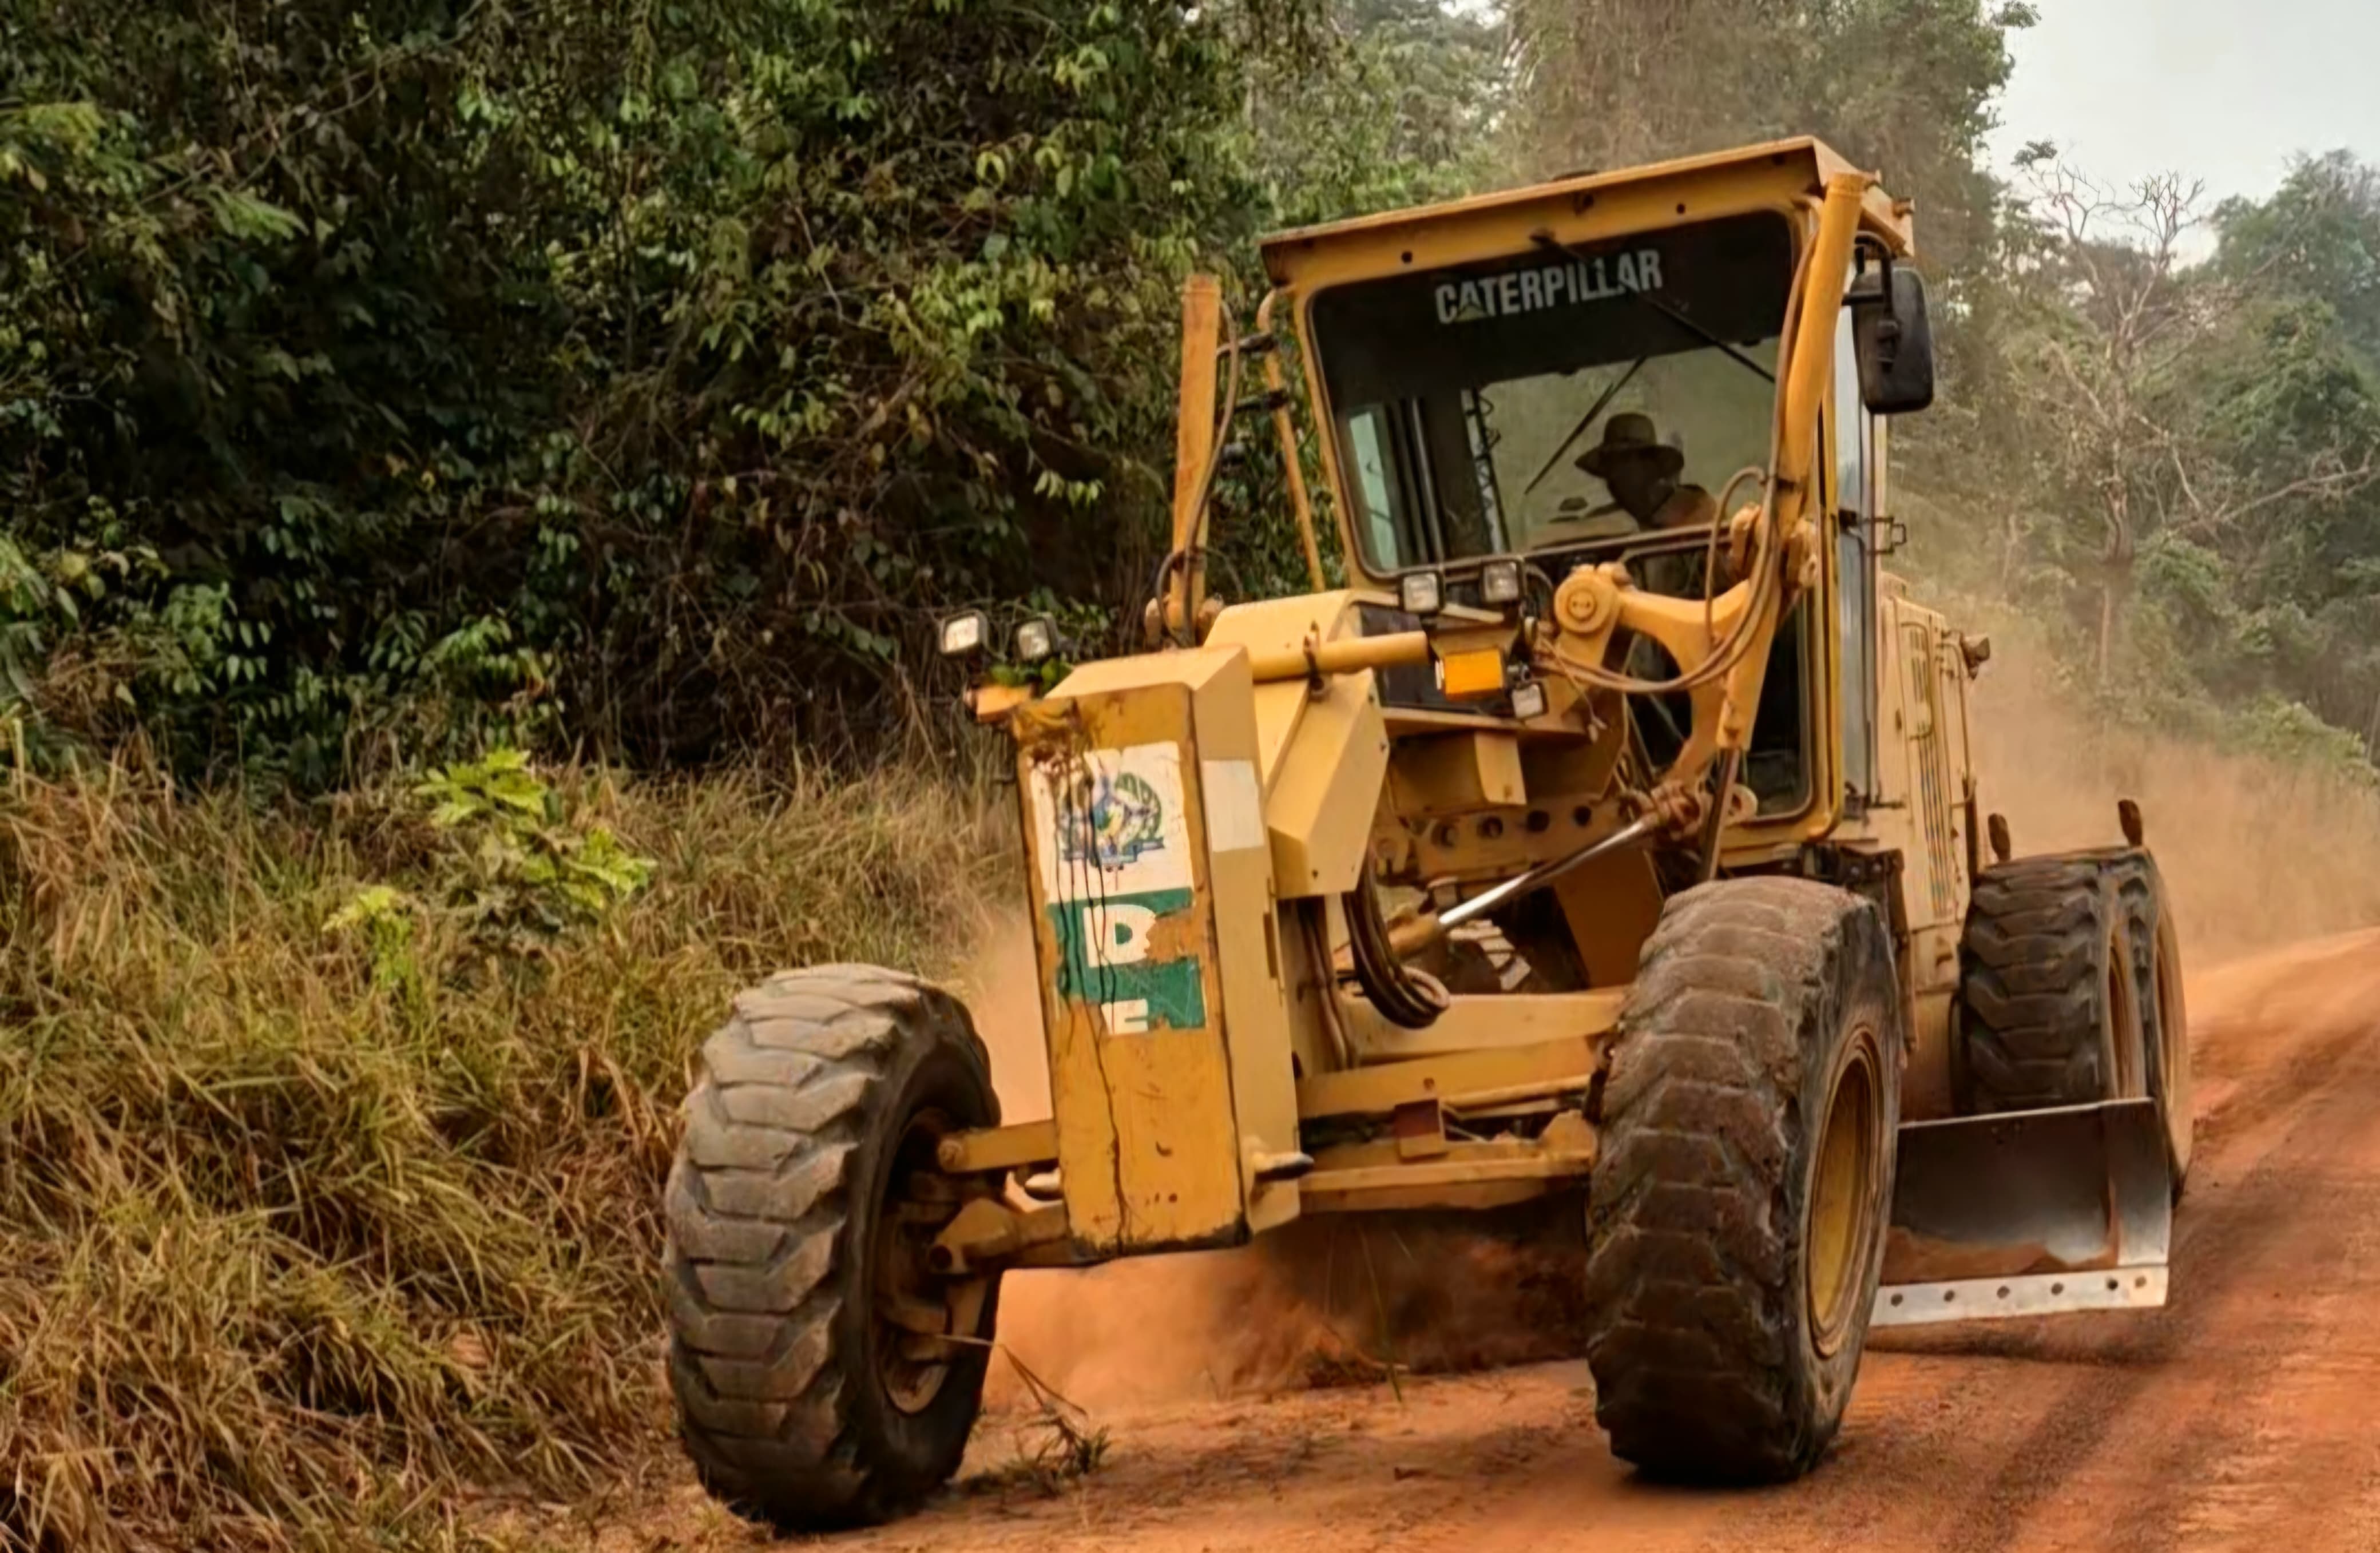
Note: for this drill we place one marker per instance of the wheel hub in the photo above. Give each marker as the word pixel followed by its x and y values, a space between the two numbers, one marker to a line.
pixel 915 1313
pixel 1839 1238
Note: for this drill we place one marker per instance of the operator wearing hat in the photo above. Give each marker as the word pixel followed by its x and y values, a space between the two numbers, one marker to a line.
pixel 1642 473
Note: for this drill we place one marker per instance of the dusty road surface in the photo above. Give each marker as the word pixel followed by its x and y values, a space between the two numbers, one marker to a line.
pixel 2246 1413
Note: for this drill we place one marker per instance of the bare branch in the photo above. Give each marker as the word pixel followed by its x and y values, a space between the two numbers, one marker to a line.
pixel 2337 480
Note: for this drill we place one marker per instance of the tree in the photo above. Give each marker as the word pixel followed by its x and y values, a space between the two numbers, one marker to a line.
pixel 2317 237
pixel 1901 85
pixel 649 377
pixel 1407 103
pixel 2138 433
pixel 2311 252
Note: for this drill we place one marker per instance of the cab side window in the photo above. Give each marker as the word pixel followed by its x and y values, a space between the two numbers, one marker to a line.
pixel 1373 469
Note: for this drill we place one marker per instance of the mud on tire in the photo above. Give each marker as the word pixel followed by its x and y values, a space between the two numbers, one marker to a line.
pixel 814 1103
pixel 1733 1263
pixel 2048 1010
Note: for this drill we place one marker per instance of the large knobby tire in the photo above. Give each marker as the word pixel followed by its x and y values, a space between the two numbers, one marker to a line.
pixel 2048 1007
pixel 1737 1209
pixel 2155 947
pixel 801 1200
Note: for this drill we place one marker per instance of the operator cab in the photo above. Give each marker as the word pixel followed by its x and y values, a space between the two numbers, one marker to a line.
pixel 1574 405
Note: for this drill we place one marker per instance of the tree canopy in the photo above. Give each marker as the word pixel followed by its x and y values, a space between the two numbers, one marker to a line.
pixel 640 373
pixel 380 375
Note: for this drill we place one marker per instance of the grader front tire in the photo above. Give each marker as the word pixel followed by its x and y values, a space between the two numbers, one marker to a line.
pixel 798 1212
pixel 1737 1210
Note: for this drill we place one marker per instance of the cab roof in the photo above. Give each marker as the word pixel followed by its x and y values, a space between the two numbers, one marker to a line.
pixel 1633 199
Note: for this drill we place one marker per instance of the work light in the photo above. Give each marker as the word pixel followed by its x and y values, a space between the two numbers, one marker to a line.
pixel 1421 592
pixel 1499 582
pixel 964 634
pixel 1035 639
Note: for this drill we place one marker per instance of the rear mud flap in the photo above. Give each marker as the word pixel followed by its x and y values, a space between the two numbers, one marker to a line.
pixel 2028 1213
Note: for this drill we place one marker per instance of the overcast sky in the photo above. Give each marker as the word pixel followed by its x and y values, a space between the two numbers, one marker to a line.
pixel 2220 90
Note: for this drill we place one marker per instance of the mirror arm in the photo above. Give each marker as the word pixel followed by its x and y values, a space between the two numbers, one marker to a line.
pixel 1887 328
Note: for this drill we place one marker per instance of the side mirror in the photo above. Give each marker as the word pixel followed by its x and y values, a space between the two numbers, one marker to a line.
pixel 1891 338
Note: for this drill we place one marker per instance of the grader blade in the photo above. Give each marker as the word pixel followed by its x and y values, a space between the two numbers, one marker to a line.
pixel 2028 1213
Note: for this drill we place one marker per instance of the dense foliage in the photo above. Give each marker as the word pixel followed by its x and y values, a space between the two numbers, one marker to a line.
pixel 641 372
pixel 376 378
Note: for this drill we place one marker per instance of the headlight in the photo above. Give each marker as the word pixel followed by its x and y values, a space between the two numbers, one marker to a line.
pixel 1529 699
pixel 963 634
pixel 1421 592
pixel 1499 582
pixel 1035 639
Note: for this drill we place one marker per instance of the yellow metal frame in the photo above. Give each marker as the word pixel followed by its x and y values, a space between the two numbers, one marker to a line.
pixel 1797 164
pixel 1196 1142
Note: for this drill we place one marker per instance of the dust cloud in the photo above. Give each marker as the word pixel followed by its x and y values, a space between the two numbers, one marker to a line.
pixel 2256 854
pixel 1330 1300
pixel 2255 851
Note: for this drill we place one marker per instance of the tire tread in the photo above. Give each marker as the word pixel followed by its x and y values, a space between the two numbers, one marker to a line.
pixel 1692 1267
pixel 2033 986
pixel 756 1209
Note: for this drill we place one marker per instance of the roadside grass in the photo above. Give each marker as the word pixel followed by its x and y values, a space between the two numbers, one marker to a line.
pixel 314 1238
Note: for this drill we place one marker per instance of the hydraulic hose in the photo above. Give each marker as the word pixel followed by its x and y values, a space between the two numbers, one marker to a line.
pixel 1404 996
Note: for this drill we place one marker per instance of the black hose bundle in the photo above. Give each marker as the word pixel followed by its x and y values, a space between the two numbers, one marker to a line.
pixel 1404 996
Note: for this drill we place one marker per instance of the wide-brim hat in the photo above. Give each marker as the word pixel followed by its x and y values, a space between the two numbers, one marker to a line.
pixel 1631 432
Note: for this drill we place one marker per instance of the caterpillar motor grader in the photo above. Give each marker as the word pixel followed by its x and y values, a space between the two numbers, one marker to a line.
pixel 1600 838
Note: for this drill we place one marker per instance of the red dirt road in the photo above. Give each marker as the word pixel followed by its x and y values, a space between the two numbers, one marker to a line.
pixel 2246 1413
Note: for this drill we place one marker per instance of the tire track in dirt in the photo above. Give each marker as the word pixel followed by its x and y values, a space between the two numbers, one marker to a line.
pixel 2046 1412
pixel 1991 1437
pixel 2282 1366
pixel 2245 1238
pixel 2291 1169
pixel 2253 1234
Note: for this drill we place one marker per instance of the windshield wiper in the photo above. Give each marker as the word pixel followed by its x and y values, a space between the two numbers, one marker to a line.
pixel 1547 240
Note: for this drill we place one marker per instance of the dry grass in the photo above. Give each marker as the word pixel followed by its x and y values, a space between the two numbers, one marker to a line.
pixel 1055 1446
pixel 291 1257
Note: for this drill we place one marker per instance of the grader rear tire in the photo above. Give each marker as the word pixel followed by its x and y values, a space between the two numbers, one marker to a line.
pixel 2155 948
pixel 799 1211
pixel 2048 997
pixel 1737 1209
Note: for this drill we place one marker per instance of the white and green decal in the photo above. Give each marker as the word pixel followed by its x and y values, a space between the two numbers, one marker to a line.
pixel 1116 866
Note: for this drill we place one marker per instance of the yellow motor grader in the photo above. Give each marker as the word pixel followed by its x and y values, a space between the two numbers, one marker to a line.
pixel 1611 835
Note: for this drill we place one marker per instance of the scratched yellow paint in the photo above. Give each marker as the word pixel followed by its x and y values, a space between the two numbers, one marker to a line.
pixel 1168 1051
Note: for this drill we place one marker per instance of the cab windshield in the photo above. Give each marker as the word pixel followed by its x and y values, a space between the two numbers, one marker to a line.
pixel 1557 398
